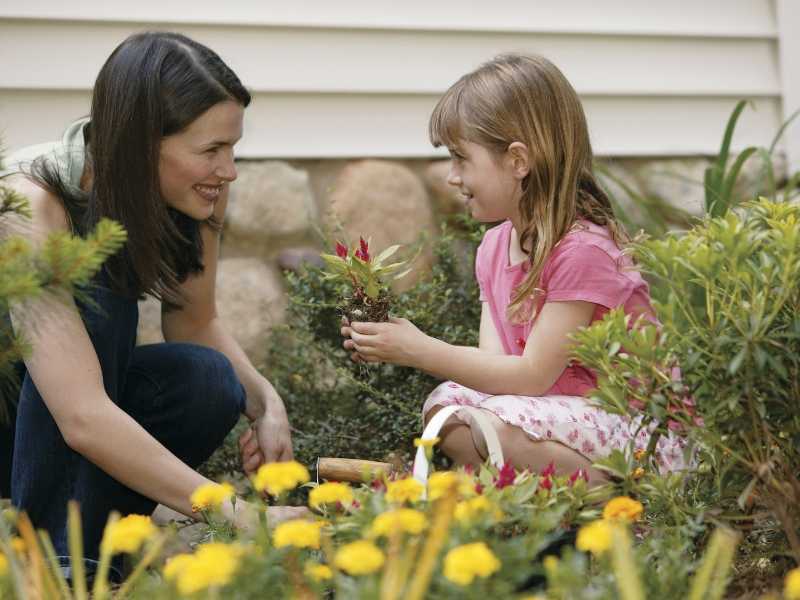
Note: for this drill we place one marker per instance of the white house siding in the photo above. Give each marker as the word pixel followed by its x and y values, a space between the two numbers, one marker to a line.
pixel 353 79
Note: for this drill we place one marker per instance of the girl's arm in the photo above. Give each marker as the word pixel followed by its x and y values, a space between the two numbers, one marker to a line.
pixel 489 339
pixel 545 357
pixel 198 322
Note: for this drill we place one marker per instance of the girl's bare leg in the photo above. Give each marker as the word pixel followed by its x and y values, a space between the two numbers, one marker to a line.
pixel 457 442
pixel 526 453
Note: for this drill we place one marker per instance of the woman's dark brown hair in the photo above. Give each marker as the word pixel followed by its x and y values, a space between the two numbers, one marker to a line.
pixel 152 86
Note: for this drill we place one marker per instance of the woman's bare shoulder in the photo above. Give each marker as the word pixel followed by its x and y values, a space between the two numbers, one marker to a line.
pixel 47 210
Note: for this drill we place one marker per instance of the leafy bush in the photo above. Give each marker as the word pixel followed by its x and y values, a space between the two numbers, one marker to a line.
pixel 729 302
pixel 340 408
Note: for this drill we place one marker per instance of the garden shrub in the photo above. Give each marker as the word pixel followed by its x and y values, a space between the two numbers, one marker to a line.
pixel 340 408
pixel 729 302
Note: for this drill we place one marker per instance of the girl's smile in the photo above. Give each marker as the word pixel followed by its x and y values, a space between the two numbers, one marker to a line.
pixel 487 182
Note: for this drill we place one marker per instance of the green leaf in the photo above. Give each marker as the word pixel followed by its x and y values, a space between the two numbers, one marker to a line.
pixel 378 260
pixel 737 360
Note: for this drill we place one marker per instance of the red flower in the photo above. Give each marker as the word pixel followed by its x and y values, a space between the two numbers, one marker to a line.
pixel 479 488
pixel 363 251
pixel 549 470
pixel 546 483
pixel 580 473
pixel 505 476
pixel 341 250
pixel 469 469
pixel 378 485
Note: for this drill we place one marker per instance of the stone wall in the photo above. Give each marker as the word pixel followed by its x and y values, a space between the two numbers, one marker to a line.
pixel 279 210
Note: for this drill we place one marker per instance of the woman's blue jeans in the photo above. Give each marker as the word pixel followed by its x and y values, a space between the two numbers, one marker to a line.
pixel 186 396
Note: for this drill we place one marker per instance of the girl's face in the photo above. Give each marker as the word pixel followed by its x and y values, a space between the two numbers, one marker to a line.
pixel 487 182
pixel 196 164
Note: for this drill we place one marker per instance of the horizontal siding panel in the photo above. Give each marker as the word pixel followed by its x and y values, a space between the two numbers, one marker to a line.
pixel 360 125
pixel 675 17
pixel 69 55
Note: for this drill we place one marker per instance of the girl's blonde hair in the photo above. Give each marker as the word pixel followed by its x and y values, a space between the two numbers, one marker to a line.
pixel 519 98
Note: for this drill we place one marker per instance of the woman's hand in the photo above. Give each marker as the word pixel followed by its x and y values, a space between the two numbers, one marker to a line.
pixel 268 439
pixel 398 342
pixel 244 515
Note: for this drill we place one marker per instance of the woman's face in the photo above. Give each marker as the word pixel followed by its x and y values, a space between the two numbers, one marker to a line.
pixel 196 164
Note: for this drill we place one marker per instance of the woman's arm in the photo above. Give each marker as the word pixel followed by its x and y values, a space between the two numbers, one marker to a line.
pixel 545 357
pixel 66 371
pixel 198 322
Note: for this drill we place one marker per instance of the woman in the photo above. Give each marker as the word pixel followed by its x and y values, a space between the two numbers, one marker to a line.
pixel 101 421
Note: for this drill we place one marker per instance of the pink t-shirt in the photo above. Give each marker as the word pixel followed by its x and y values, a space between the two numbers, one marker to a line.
pixel 585 265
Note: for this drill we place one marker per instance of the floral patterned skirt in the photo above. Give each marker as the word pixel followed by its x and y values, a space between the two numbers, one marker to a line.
pixel 570 420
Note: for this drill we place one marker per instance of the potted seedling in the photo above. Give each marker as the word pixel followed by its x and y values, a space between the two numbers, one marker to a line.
pixel 366 279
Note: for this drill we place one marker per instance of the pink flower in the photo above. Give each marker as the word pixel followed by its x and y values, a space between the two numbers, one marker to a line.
pixel 341 250
pixel 636 404
pixel 549 470
pixel 378 485
pixel 505 476
pixel 673 425
pixel 546 483
pixel 479 488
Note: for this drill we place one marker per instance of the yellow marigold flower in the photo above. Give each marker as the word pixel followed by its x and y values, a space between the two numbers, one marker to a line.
pixel 280 477
pixel 594 537
pixel 128 534
pixel 3 565
pixel 469 510
pixel 359 558
pixel 622 508
pixel 408 489
pixel 175 565
pixel 791 589
pixel 426 443
pixel 298 533
pixel 550 563
pixel 330 493
pixel 463 563
pixel 214 564
pixel 638 472
pixel 18 544
pixel 407 520
pixel 318 572
pixel 211 495
pixel 441 481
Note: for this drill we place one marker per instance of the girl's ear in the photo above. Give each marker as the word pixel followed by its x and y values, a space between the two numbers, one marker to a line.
pixel 519 161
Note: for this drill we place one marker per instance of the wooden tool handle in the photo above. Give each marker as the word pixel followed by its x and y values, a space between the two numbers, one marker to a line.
pixel 351 469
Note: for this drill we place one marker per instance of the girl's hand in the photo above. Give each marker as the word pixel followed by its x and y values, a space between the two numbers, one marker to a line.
pixel 398 342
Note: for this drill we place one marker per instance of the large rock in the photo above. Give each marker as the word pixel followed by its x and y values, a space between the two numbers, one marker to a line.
pixel 386 201
pixel 149 331
pixel 250 300
pixel 679 181
pixel 447 197
pixel 269 201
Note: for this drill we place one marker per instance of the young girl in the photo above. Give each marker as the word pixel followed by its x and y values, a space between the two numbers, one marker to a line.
pixel 520 152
